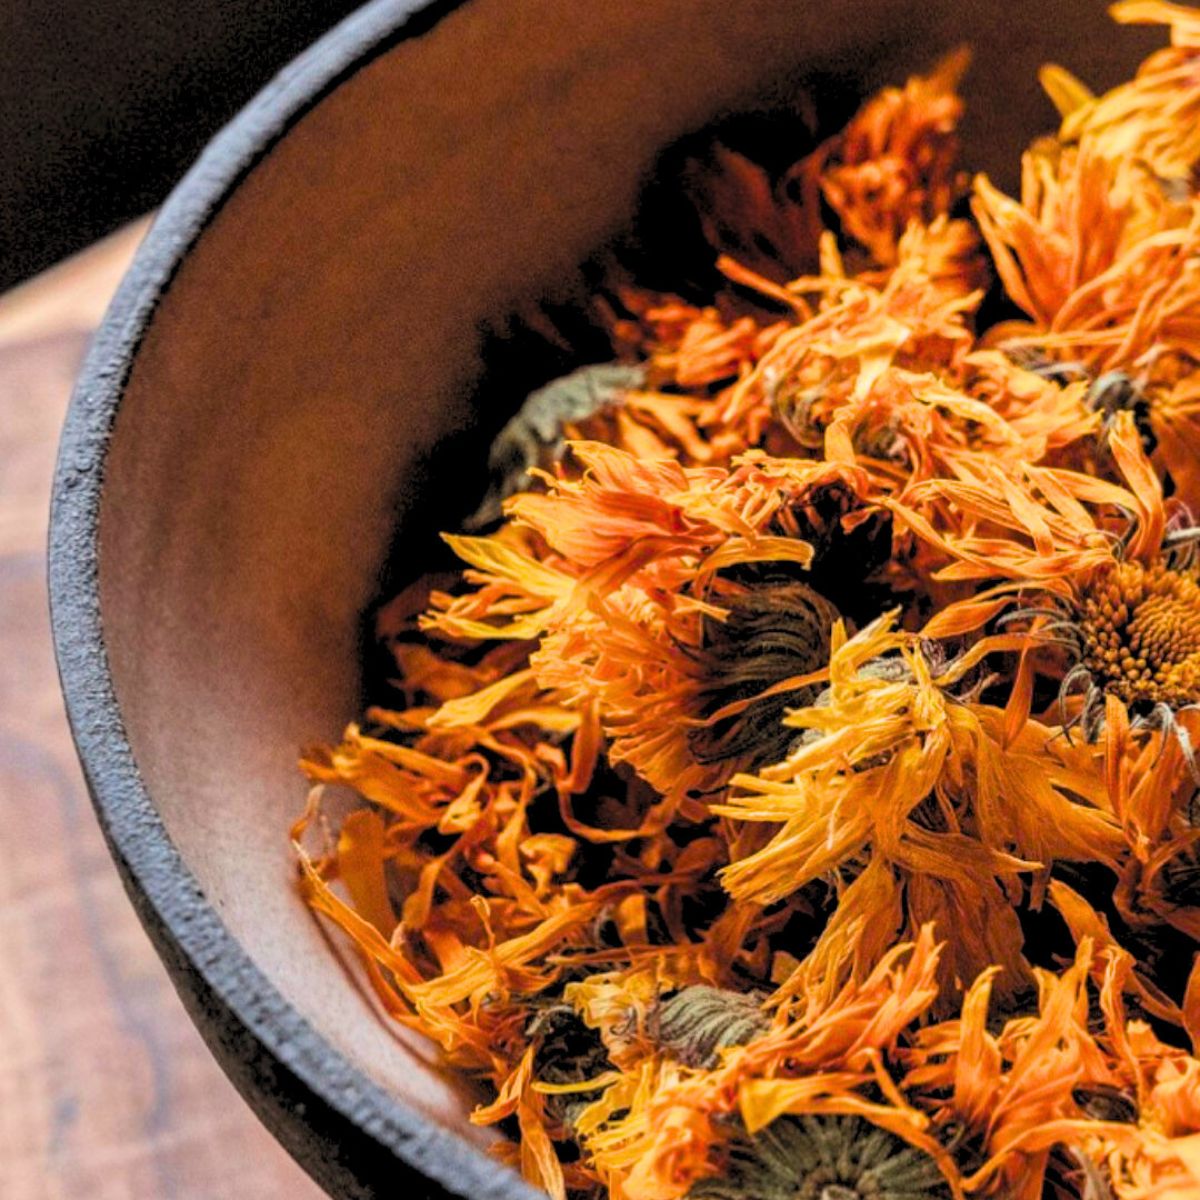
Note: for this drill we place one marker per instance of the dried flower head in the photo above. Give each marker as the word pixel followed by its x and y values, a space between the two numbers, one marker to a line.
pixel 1136 632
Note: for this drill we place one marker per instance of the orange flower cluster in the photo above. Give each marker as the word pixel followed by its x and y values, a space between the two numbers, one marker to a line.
pixel 796 793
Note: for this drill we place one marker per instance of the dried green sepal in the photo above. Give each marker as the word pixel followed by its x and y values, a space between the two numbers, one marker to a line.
pixel 773 632
pixel 824 1158
pixel 697 1022
pixel 534 437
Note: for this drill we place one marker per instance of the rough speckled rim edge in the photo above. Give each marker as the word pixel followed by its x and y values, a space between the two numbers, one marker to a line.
pixel 354 1138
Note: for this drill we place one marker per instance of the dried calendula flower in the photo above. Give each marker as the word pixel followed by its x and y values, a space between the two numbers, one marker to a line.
pixel 1155 117
pixel 795 793
pixel 895 164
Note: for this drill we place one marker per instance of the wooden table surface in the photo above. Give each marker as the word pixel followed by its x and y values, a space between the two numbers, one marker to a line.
pixel 106 1090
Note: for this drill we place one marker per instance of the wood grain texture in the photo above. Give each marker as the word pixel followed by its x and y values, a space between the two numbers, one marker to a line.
pixel 106 1090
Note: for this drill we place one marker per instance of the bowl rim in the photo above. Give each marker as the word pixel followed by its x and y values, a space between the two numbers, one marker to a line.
pixel 347 1131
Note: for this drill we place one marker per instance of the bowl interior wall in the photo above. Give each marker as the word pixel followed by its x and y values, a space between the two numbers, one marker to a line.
pixel 292 400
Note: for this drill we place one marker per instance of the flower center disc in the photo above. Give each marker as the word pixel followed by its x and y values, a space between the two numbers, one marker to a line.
pixel 1141 634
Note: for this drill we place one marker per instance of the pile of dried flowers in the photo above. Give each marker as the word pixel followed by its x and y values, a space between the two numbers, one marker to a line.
pixel 795 795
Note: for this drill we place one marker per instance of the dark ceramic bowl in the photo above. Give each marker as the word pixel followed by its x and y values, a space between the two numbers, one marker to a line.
pixel 280 403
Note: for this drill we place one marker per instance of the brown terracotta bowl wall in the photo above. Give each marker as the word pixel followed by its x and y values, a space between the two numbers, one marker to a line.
pixel 321 339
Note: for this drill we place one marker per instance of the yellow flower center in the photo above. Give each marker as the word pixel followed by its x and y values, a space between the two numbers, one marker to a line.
pixel 1141 634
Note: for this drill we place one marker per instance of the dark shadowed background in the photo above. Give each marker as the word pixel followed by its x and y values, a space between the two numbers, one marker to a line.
pixel 104 104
